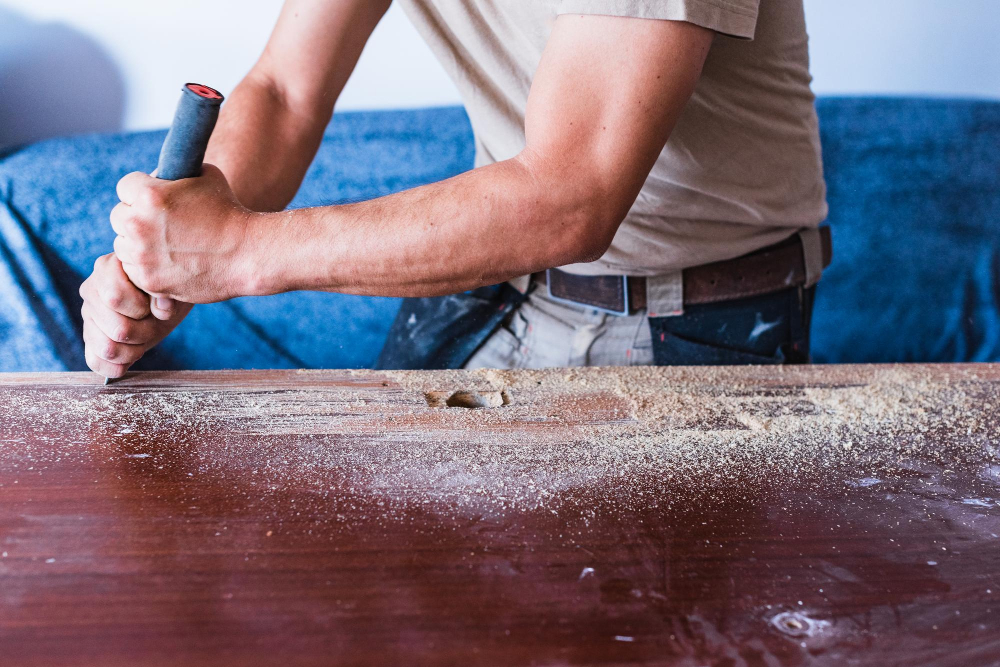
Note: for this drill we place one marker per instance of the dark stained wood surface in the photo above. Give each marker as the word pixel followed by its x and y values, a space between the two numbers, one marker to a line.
pixel 338 517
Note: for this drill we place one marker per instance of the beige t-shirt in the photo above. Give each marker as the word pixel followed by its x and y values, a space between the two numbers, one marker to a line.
pixel 742 168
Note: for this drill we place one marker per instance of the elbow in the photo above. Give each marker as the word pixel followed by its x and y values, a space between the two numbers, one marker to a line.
pixel 584 233
pixel 577 211
pixel 584 248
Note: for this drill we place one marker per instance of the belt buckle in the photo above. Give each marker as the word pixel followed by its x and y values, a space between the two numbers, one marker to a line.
pixel 571 302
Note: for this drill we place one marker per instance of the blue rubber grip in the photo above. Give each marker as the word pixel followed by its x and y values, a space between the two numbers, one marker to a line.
pixel 184 148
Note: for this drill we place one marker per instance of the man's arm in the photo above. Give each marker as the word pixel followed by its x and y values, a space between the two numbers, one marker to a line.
pixel 605 97
pixel 273 122
pixel 266 137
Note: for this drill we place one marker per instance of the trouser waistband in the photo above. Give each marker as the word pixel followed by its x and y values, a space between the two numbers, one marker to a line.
pixel 795 262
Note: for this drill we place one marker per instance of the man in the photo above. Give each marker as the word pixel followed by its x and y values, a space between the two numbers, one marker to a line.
pixel 663 155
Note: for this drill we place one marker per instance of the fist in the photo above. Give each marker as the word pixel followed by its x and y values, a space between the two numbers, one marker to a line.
pixel 183 239
pixel 120 322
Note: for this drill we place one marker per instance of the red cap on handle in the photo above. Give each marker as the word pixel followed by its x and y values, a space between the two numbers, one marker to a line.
pixel 204 91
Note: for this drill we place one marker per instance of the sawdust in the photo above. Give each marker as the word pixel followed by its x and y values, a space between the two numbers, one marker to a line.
pixel 547 439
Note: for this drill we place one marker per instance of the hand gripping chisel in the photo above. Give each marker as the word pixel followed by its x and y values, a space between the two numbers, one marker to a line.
pixel 184 148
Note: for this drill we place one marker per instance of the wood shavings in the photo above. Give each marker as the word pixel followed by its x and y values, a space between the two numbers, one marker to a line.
pixel 560 431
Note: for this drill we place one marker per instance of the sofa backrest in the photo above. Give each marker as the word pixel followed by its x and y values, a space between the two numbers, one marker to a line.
pixel 914 193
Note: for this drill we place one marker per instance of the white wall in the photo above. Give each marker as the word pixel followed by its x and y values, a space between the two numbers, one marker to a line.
pixel 149 49
pixel 921 47
pixel 139 53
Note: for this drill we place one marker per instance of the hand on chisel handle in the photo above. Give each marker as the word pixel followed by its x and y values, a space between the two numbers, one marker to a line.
pixel 189 240
pixel 120 321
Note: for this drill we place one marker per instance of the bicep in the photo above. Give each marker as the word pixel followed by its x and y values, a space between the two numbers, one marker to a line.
pixel 314 46
pixel 605 97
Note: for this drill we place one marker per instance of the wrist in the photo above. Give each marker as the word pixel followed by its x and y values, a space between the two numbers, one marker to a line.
pixel 258 262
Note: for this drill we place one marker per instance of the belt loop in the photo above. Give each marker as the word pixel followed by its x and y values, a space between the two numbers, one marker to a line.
pixel 665 295
pixel 812 253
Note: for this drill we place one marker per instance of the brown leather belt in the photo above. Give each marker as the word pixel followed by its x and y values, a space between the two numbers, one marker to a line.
pixel 772 269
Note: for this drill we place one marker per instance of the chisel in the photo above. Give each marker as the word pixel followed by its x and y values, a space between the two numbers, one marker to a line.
pixel 184 148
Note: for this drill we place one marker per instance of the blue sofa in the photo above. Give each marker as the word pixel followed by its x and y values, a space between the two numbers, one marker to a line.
pixel 914 191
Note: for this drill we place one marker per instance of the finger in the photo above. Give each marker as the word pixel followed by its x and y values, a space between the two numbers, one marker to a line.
pixel 131 185
pixel 141 278
pixel 121 217
pixel 87 288
pixel 119 328
pixel 105 349
pixel 162 307
pixel 124 250
pixel 117 292
pixel 102 367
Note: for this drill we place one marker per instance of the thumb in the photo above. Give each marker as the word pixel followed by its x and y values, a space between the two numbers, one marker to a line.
pixel 162 307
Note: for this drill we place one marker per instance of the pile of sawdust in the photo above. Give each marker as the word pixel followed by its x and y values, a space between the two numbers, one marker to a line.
pixel 561 434
pixel 723 427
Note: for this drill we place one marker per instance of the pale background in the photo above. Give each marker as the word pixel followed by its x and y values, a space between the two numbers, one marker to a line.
pixel 70 66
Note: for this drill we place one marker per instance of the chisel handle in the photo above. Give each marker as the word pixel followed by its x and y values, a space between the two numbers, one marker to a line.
pixel 184 148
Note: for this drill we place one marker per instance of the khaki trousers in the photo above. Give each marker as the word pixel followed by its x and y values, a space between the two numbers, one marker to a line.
pixel 543 333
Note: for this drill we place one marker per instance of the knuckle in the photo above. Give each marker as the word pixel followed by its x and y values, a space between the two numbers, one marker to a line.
pixel 126 221
pixel 110 351
pixel 103 266
pixel 123 332
pixel 151 197
pixel 113 297
pixel 103 349
pixel 133 219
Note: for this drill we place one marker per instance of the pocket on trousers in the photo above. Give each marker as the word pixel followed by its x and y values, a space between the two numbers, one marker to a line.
pixel 504 338
pixel 504 348
pixel 514 332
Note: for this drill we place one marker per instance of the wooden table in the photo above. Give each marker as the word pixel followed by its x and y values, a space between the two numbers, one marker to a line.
pixel 756 516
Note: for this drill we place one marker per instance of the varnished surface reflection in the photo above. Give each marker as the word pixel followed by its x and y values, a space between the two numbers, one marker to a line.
pixel 297 518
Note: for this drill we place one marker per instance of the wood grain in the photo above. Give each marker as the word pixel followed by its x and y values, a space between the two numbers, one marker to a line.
pixel 353 517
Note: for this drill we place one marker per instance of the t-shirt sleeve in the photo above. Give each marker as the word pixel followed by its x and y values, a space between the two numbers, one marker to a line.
pixel 737 18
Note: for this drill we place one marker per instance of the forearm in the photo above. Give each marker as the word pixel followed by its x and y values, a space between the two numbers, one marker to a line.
pixel 263 145
pixel 479 228
pixel 595 124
